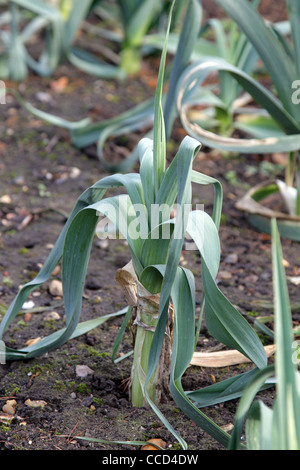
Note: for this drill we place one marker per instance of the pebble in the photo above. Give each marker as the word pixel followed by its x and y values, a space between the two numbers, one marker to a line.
pixel 224 275
pixel 27 317
pixel 35 403
pixel 10 407
pixel 103 244
pixel 27 305
pixel 83 371
pixel 55 288
pixel 52 316
pixel 5 199
pixel 251 278
pixel 74 172
pixel 265 276
pixel 232 258
pixel 87 401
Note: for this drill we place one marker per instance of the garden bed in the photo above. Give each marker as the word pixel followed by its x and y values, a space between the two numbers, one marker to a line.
pixel 42 175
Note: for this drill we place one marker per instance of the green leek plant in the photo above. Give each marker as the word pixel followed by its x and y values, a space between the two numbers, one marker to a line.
pixel 126 23
pixel 165 291
pixel 60 24
pixel 277 428
pixel 272 128
pixel 190 45
pixel 219 103
pixel 84 133
pixel 137 17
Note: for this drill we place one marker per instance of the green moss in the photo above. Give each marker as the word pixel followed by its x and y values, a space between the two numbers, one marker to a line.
pixel 176 410
pixel 23 251
pixel 254 314
pixel 59 385
pixel 4 428
pixel 71 384
pixel 98 401
pixel 83 388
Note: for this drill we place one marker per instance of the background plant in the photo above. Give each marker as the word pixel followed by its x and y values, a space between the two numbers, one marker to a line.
pixel 274 128
pixel 56 25
pixel 156 266
pixel 277 428
pixel 183 46
pixel 27 20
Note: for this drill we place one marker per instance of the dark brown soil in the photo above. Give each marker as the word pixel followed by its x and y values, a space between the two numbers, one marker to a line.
pixel 37 164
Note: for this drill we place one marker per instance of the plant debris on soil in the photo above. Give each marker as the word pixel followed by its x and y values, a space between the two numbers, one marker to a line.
pixel 50 402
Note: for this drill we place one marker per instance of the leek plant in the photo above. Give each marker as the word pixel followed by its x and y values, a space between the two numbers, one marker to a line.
pixel 83 133
pixel 60 24
pixel 126 25
pixel 216 105
pixel 275 127
pixel 277 428
pixel 137 17
pixel 160 292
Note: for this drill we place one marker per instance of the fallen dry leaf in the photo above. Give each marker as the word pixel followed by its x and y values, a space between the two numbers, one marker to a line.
pixel 294 280
pixel 6 418
pixel 227 427
pixel 30 342
pixel 60 84
pixel 224 358
pixel 158 442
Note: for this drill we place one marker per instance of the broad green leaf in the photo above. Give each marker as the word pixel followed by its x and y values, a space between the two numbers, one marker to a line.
pixel 78 13
pixel 294 18
pixel 159 137
pixel 223 320
pixel 183 292
pixel 188 36
pixel 251 389
pixel 287 411
pixel 258 425
pixel 80 227
pixel 140 19
pixel 225 390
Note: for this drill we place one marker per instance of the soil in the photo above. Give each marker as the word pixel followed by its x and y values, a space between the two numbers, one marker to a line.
pixel 43 174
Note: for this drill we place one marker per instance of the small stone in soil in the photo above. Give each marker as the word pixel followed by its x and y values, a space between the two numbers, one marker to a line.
pixel 224 275
pixel 52 316
pixel 83 371
pixel 55 288
pixel 232 258
pixel 87 401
